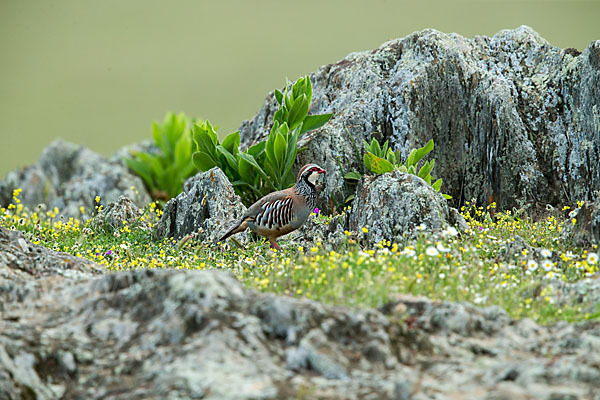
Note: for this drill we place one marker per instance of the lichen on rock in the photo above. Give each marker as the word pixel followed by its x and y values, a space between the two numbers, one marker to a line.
pixel 206 206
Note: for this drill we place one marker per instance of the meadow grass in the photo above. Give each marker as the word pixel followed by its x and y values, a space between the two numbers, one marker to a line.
pixel 470 266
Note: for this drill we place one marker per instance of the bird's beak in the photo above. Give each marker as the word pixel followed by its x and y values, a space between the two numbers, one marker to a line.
pixel 322 171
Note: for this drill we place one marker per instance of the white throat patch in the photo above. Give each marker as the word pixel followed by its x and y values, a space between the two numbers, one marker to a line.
pixel 312 178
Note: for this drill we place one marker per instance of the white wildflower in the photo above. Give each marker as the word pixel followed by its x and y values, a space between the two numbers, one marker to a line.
pixel 432 251
pixel 532 265
pixel 546 253
pixel 547 265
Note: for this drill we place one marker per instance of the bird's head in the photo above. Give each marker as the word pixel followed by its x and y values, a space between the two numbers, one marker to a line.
pixel 310 173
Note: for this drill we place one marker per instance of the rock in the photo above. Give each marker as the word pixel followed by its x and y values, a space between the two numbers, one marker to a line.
pixel 396 205
pixel 328 231
pixel 118 214
pixel 521 128
pixel 25 268
pixel 69 176
pixel 584 293
pixel 517 248
pixel 145 146
pixel 180 334
pixel 456 219
pixel 207 206
pixel 586 229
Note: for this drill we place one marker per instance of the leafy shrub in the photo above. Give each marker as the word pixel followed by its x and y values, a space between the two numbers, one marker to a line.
pixel 164 173
pixel 266 166
pixel 381 159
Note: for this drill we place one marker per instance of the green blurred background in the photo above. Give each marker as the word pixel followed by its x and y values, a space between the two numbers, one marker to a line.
pixel 99 72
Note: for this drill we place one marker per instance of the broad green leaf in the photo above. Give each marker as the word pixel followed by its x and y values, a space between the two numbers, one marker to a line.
pixel 375 148
pixel 384 149
pixel 256 150
pixel 423 151
pixel 425 169
pixel 288 102
pixel 229 158
pixel 412 170
pixel 349 199
pixel 312 122
pixel 308 90
pixel 183 150
pixel 232 142
pixel 367 161
pixel 272 172
pixel 172 129
pixel 437 185
pixel 353 176
pixel 379 165
pixel 410 161
pixel 246 170
pixel 290 156
pixel 158 138
pixel 446 196
pixel 298 112
pixel 284 129
pixel 188 170
pixel 298 89
pixel 211 132
pixel 269 146
pixel 203 161
pixel 165 180
pixel 278 96
pixel 275 127
pixel 391 157
pixel 142 170
pixel 278 116
pixel 201 138
pixel 153 162
pixel 279 148
pixel 249 159
pixel 254 189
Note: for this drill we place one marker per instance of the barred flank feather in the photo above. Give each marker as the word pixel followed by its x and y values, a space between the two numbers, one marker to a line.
pixel 283 211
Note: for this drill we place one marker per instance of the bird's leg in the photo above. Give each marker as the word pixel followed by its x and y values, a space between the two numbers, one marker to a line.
pixel 274 244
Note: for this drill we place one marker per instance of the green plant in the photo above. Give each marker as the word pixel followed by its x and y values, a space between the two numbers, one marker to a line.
pixel 381 159
pixel 267 165
pixel 165 172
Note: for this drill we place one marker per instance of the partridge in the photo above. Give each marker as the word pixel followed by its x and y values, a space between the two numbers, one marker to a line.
pixel 281 212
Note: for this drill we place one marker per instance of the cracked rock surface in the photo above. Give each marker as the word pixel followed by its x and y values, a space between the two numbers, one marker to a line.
pixel 69 176
pixel 67 331
pixel 514 119
pixel 208 207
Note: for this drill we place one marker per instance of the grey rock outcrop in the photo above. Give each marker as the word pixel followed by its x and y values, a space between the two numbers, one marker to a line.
pixel 69 176
pixel 119 213
pixel 25 268
pixel 586 229
pixel 514 119
pixel 157 334
pixel 394 206
pixel 207 207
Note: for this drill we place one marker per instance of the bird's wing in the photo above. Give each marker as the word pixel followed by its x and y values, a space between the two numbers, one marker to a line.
pixel 275 214
pixel 257 207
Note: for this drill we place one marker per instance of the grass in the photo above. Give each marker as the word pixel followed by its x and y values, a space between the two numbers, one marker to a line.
pixel 470 266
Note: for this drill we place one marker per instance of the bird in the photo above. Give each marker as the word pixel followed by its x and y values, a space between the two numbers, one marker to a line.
pixel 284 211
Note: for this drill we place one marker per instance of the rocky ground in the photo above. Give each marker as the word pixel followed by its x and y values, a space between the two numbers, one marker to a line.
pixel 70 331
pixel 522 129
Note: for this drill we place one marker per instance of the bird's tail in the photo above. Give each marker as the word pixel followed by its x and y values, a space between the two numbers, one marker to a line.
pixel 240 227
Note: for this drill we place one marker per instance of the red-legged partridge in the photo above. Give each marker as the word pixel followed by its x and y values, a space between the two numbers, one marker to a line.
pixel 281 212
